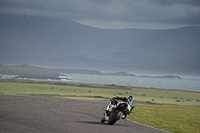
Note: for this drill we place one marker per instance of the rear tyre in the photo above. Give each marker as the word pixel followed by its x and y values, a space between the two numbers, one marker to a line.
pixel 114 118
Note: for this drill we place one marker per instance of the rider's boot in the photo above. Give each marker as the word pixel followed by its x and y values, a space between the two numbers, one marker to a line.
pixel 123 116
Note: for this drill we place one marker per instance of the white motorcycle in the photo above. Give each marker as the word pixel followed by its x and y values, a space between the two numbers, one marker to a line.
pixel 115 112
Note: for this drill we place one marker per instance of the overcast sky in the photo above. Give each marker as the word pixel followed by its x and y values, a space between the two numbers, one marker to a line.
pixel 112 14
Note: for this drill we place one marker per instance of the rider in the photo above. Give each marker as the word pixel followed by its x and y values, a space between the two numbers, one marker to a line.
pixel 114 102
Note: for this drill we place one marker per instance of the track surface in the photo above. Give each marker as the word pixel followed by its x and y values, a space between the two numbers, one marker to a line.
pixel 46 115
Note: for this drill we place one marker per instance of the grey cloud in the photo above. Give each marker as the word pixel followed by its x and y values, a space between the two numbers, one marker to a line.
pixel 171 2
pixel 154 11
pixel 120 11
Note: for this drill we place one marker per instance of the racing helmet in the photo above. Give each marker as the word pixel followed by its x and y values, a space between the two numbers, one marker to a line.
pixel 130 99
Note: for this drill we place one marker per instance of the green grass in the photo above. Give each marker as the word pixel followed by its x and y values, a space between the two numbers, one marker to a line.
pixel 178 119
pixel 17 87
pixel 175 118
pixel 167 96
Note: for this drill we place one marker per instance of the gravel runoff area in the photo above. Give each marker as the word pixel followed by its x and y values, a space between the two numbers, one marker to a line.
pixel 26 114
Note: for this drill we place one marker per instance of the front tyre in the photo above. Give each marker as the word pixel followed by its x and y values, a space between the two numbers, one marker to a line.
pixel 103 119
pixel 115 117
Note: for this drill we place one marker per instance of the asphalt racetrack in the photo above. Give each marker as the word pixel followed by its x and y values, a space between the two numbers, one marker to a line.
pixel 24 114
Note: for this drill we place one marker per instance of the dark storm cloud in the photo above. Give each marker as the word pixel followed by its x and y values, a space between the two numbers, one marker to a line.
pixel 171 2
pixel 112 13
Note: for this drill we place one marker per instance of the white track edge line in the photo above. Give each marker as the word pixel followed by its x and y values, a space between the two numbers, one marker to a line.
pixel 148 126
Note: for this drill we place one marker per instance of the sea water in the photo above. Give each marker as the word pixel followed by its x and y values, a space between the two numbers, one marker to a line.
pixel 187 83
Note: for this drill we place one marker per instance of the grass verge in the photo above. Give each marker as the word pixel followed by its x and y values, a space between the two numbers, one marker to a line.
pixel 68 89
pixel 178 119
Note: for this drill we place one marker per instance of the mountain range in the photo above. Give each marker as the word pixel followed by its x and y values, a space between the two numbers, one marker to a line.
pixel 62 43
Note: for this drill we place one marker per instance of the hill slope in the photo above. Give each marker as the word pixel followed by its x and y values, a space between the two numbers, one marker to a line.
pixel 60 42
pixel 26 71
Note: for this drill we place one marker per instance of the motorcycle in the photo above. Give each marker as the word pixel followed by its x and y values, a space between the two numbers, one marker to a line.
pixel 115 112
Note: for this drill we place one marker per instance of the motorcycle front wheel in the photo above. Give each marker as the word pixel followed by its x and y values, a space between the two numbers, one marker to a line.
pixel 103 119
pixel 114 117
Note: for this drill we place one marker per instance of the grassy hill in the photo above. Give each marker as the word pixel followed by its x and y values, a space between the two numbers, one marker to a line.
pixel 26 71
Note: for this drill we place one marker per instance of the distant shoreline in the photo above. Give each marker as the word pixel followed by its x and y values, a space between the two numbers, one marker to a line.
pixel 95 72
pixel 34 72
